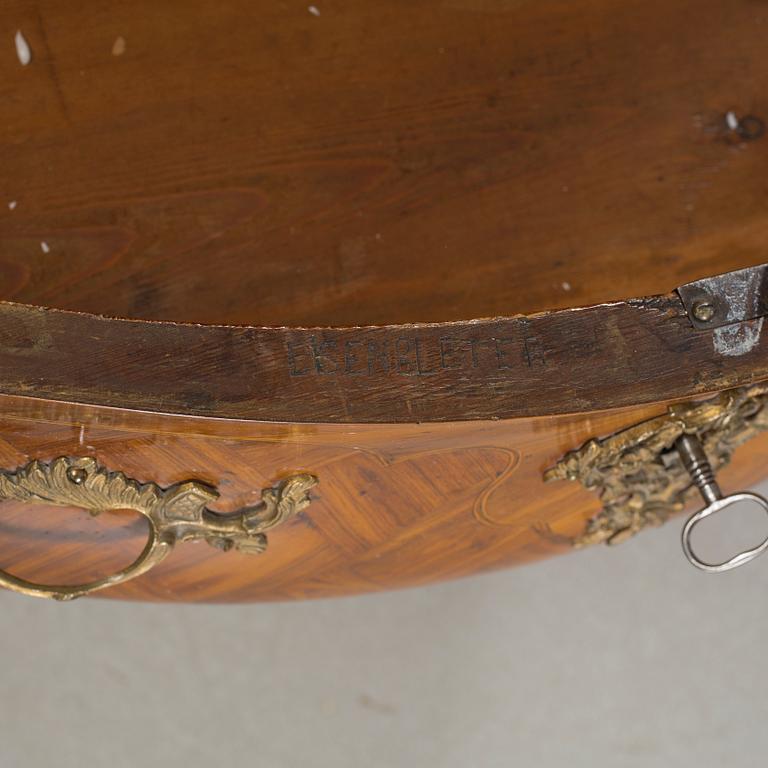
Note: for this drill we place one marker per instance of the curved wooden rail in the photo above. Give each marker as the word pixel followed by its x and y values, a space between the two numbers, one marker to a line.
pixel 567 361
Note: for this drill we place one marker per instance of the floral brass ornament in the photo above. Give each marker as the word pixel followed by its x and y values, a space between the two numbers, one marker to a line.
pixel 639 475
pixel 174 514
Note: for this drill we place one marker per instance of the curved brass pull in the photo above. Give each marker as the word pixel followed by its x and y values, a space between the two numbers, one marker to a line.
pixel 178 513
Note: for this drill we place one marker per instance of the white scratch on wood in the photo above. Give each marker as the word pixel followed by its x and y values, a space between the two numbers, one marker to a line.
pixel 12 205
pixel 738 339
pixel 742 298
pixel 44 247
pixel 82 434
pixel 314 10
pixel 23 50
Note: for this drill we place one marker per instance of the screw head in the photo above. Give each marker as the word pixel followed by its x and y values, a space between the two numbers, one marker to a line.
pixel 77 475
pixel 703 310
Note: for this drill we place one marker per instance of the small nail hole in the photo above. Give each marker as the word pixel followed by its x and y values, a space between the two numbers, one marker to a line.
pixel 750 128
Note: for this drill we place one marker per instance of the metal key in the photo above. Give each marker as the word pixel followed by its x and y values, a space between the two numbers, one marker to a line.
pixel 695 461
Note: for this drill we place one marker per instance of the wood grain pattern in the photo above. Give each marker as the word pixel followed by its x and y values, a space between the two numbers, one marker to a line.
pixel 251 163
pixel 301 218
pixel 397 505
pixel 259 165
pixel 568 361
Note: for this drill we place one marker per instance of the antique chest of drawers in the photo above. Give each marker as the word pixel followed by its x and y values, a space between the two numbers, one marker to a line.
pixel 244 247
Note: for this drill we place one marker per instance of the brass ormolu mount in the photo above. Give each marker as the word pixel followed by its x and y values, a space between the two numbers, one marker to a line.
pixel 640 473
pixel 174 514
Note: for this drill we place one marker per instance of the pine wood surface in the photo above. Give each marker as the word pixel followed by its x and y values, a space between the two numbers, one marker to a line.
pixel 249 162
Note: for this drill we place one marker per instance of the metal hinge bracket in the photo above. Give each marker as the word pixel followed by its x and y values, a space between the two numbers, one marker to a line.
pixel 732 297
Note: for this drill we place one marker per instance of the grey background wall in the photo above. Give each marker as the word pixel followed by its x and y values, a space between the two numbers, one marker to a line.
pixel 609 657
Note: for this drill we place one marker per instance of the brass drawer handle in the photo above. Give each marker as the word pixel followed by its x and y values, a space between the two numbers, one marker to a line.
pixel 177 513
pixel 647 472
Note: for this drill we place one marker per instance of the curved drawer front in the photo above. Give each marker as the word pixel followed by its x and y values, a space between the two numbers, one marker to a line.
pixel 393 505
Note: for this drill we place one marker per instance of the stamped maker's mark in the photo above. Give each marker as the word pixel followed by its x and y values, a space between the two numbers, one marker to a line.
pixel 320 355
